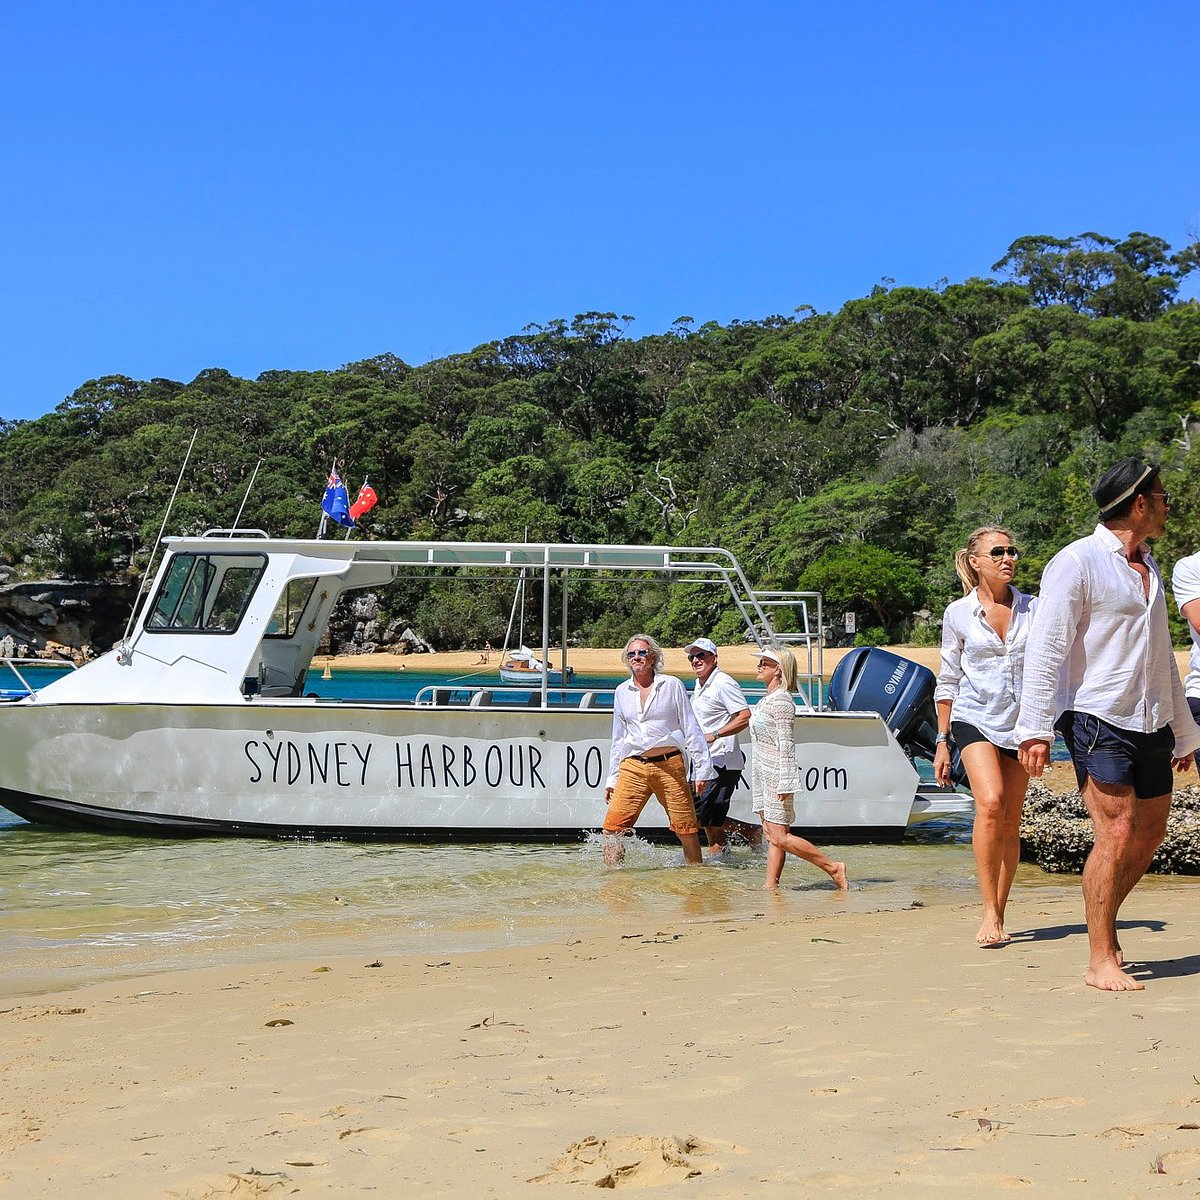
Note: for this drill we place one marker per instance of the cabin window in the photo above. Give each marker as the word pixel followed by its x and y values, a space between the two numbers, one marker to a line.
pixel 205 593
pixel 285 620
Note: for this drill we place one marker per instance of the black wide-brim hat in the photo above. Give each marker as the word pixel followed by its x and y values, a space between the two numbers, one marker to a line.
pixel 1119 482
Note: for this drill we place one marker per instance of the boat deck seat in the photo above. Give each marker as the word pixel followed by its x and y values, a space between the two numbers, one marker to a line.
pixel 481 699
pixel 587 700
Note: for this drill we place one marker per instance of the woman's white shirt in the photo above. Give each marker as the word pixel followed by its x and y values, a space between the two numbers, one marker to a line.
pixel 982 675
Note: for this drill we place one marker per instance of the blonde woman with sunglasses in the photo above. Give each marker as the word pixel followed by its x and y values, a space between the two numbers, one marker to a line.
pixel 978 696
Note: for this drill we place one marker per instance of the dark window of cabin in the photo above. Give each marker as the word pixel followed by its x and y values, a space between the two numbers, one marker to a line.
pixel 205 593
pixel 285 620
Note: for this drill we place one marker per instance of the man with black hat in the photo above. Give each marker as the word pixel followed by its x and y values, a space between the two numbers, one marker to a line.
pixel 1099 658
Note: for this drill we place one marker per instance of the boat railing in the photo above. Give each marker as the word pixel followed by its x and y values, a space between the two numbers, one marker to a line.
pixel 804 639
pixel 473 695
pixel 14 665
pixel 467 695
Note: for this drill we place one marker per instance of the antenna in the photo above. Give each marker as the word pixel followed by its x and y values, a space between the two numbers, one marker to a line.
pixel 124 651
pixel 238 519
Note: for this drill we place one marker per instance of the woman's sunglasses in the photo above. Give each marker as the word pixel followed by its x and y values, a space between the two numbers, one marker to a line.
pixel 1001 551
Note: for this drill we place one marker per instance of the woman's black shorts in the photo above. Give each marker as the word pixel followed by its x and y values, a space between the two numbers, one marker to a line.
pixel 966 735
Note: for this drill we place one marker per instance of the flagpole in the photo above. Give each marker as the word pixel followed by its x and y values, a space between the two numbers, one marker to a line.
pixel 324 515
pixel 350 528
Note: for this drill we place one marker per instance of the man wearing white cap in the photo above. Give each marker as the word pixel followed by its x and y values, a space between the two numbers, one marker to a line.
pixel 723 713
pixel 1099 659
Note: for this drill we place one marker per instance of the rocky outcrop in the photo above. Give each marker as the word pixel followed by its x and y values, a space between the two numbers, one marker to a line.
pixel 61 616
pixel 1057 834
pixel 359 626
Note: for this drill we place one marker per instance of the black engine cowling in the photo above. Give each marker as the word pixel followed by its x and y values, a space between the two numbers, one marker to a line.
pixel 900 691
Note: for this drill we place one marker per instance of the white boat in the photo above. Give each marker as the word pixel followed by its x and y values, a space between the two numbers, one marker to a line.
pixel 523 668
pixel 197 724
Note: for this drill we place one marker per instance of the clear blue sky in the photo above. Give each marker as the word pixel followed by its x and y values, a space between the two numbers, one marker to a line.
pixel 297 185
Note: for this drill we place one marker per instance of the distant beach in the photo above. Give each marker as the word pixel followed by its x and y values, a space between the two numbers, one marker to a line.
pixel 737 660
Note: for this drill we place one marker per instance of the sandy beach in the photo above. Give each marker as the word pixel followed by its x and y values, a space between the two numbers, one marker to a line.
pixel 803 1049
pixel 858 1053
pixel 737 660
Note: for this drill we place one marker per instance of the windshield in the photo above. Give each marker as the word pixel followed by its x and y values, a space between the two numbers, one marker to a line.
pixel 205 593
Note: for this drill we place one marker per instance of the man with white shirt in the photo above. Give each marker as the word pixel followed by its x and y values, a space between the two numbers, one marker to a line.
pixel 1099 659
pixel 656 744
pixel 1185 583
pixel 723 713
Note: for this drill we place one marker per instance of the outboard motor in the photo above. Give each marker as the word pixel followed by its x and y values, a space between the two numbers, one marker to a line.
pixel 900 691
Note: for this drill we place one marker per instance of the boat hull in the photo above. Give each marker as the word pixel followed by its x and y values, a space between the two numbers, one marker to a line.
pixel 308 768
pixel 532 679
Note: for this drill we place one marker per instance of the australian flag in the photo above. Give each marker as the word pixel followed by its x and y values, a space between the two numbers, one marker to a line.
pixel 336 502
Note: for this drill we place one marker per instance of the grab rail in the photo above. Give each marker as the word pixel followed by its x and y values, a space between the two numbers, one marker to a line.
pixel 12 664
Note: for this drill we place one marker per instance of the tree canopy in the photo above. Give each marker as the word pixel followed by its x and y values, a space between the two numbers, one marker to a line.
pixel 850 451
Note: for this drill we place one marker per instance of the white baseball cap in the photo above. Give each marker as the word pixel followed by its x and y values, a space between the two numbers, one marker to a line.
pixel 705 644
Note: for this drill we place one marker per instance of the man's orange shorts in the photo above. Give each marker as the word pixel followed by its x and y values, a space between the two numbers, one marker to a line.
pixel 666 780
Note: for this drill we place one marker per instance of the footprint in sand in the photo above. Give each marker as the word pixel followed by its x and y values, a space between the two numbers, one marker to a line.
pixel 641 1162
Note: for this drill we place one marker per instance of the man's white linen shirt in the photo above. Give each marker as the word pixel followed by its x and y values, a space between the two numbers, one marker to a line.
pixel 714 702
pixel 981 675
pixel 1185 583
pixel 667 720
pixel 1099 645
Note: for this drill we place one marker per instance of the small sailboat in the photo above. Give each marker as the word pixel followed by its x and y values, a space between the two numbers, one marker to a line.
pixel 522 666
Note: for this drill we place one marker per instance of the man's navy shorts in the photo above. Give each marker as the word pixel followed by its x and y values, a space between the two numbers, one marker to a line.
pixel 1121 756
pixel 712 806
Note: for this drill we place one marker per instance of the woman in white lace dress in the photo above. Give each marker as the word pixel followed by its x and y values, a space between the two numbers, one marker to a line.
pixel 772 733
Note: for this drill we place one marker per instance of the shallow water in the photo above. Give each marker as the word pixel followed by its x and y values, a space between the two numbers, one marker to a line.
pixel 78 907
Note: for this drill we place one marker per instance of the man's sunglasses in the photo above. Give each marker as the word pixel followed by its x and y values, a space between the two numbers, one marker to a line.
pixel 637 653
pixel 698 656
pixel 1001 551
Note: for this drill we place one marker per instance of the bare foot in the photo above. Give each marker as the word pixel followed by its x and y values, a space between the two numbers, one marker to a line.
pixel 614 852
pixel 991 933
pixel 838 876
pixel 1108 977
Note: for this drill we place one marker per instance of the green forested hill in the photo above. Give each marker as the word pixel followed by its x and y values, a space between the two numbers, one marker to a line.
pixel 848 451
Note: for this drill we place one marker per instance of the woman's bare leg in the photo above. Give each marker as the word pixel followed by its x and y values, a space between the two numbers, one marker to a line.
pixel 783 842
pixel 998 785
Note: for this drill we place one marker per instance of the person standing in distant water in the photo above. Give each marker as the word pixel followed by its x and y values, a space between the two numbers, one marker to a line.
pixel 655 738
pixel 776 773
pixel 1099 658
pixel 977 698
pixel 723 713
pixel 1185 584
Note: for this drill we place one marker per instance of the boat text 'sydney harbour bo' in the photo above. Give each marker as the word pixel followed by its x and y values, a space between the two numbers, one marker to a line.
pixel 197 722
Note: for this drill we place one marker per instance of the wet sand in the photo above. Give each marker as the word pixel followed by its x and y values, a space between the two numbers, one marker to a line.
pixel 856 1053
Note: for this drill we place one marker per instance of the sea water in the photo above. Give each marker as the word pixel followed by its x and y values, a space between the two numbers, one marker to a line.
pixel 80 907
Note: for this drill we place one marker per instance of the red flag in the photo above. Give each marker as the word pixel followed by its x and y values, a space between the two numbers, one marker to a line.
pixel 364 503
